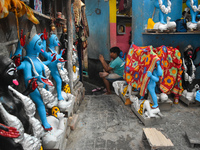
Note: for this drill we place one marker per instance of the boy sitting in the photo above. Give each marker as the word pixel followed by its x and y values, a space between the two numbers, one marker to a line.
pixel 112 71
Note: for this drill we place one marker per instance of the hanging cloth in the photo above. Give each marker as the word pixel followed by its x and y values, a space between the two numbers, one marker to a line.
pixel 121 5
pixel 170 81
pixel 19 9
pixel 139 61
pixel 77 12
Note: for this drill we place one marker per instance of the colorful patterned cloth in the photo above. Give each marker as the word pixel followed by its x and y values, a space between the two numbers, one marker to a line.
pixel 171 64
pixel 139 60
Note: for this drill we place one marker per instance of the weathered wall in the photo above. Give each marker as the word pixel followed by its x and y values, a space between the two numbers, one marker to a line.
pixel 123 40
pixel 181 40
pixel 98 41
pixel 103 34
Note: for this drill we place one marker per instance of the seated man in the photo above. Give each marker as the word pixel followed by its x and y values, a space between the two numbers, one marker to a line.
pixel 112 71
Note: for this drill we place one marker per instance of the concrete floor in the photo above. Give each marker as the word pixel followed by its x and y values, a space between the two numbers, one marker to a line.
pixel 105 123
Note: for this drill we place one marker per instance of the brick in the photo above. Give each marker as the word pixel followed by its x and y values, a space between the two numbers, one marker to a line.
pixel 74 121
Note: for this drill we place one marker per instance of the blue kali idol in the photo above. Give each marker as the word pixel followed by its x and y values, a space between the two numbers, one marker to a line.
pixel 33 68
pixel 163 10
pixel 194 11
pixel 56 63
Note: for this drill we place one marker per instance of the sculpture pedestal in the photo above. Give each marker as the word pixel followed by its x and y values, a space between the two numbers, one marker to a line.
pixel 163 106
pixel 149 121
pixel 192 103
pixel 62 142
pixel 61 139
pixel 123 98
pixel 79 93
pixel 69 111
pixel 146 121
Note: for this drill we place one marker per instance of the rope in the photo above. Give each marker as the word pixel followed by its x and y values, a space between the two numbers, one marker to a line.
pixel 15 11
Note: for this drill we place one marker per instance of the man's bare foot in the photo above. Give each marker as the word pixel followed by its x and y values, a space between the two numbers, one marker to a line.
pixel 107 93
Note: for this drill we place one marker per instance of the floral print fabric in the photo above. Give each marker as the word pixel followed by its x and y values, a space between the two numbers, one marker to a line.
pixel 139 60
pixel 142 59
pixel 171 65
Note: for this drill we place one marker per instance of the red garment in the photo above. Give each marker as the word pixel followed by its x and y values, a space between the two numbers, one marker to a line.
pixel 171 64
pixel 121 5
pixel 139 60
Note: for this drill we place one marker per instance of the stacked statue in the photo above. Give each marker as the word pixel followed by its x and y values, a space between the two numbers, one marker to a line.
pixel 194 10
pixel 162 24
pixel 56 64
pixel 188 77
pixel 17 110
pixel 33 68
pixel 142 71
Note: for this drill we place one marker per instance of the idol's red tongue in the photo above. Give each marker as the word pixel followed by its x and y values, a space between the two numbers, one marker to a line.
pixel 15 82
pixel 58 44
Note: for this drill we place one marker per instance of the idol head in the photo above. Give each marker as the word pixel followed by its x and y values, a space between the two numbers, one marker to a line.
pixel 188 51
pixel 8 71
pixel 35 46
pixel 34 43
pixel 53 40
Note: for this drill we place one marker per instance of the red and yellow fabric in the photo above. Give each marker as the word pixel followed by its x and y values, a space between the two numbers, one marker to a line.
pixel 171 65
pixel 139 60
pixel 177 89
pixel 18 8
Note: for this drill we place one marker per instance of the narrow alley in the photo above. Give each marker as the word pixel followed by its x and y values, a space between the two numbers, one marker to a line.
pixel 105 123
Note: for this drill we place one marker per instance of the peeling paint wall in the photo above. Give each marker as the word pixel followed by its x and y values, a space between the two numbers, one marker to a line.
pixel 99 39
pixel 124 39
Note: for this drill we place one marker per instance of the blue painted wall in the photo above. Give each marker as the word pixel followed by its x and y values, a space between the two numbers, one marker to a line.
pixel 99 39
pixel 138 23
pixel 174 40
pixel 142 10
